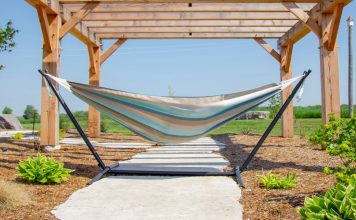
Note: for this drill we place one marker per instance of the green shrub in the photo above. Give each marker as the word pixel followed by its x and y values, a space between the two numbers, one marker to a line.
pixel 338 137
pixel 17 136
pixel 338 203
pixel 43 170
pixel 273 181
pixel 274 105
pixel 62 133
pixel 103 126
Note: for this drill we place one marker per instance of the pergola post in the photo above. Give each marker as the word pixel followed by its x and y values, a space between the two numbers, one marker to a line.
pixel 50 25
pixel 94 79
pixel 287 125
pixel 329 66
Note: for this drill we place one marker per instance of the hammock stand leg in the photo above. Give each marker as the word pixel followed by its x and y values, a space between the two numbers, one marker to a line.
pixel 101 164
pixel 244 166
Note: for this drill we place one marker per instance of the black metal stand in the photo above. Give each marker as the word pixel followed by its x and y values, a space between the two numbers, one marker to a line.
pixel 111 169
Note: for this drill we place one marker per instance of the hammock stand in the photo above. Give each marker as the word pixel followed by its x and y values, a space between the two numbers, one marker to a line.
pixel 110 169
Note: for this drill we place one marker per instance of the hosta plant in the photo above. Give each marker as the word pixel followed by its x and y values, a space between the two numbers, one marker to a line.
pixel 273 181
pixel 338 203
pixel 43 170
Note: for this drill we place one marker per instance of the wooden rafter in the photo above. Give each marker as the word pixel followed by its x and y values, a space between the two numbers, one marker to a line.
pixel 185 1
pixel 189 7
pixel 189 35
pixel 136 16
pixel 303 17
pixel 193 23
pixel 76 18
pixel 111 50
pixel 190 30
pixel 269 49
pixel 43 18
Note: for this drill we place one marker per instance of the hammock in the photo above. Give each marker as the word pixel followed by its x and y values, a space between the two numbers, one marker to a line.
pixel 171 119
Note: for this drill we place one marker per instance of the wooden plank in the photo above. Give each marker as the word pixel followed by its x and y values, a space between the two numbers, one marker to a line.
pixel 49 104
pixel 193 23
pixel 329 72
pixel 94 79
pixel 189 35
pixel 268 48
pixel 42 16
pixel 287 120
pixel 190 29
pixel 76 18
pixel 304 17
pixel 186 7
pixel 122 16
pixel 111 50
pixel 184 1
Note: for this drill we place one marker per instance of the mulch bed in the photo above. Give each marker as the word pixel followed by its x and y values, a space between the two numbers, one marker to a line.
pixel 282 156
pixel 76 157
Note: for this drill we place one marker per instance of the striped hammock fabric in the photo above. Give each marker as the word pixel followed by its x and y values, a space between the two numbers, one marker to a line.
pixel 171 119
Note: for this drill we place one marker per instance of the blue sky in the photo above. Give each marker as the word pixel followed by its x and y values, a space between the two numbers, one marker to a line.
pixel 190 67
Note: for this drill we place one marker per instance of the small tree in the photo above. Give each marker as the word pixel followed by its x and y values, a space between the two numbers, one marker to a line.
pixel 29 112
pixel 274 105
pixel 7 110
pixel 7 35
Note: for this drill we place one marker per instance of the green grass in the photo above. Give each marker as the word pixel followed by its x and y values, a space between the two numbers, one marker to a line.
pixel 302 126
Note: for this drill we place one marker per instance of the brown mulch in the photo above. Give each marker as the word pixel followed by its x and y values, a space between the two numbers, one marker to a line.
pixel 77 157
pixel 282 156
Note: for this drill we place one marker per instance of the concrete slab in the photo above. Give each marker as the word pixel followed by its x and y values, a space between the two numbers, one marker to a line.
pixel 161 197
pixel 154 197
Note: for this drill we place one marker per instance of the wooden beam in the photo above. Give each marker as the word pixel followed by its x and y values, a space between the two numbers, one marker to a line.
pixel 49 104
pixel 42 16
pixel 50 10
pixel 329 72
pixel 137 16
pixel 184 1
pixel 193 23
pixel 186 7
pixel 125 30
pixel 330 32
pixel 189 35
pixel 286 57
pixel 299 30
pixel 304 17
pixel 268 48
pixel 76 18
pixel 80 30
pixel 111 50
pixel 94 79
pixel 287 122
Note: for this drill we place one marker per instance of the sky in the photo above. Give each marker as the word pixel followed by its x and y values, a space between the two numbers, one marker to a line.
pixel 153 67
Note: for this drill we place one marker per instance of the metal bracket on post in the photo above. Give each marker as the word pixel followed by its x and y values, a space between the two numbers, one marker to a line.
pixel 243 167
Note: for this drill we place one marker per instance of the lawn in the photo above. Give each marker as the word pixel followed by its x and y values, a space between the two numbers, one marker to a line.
pixel 302 126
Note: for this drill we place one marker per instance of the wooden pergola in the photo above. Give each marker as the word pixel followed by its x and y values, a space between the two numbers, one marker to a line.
pixel 92 21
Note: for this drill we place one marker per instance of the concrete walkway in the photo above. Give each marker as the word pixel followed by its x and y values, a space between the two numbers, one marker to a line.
pixel 161 197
